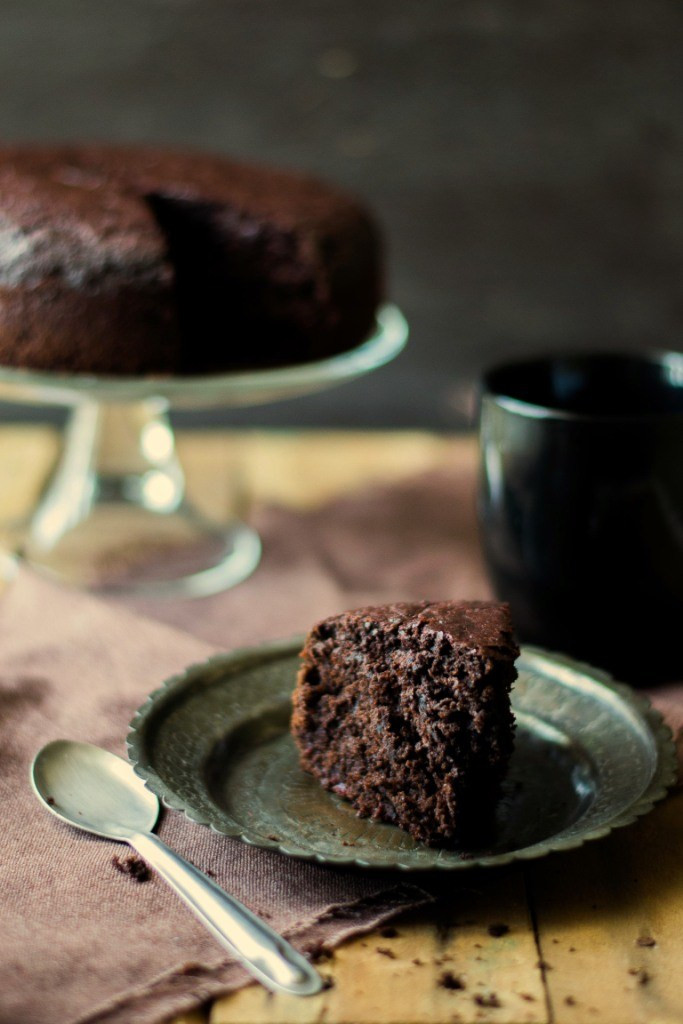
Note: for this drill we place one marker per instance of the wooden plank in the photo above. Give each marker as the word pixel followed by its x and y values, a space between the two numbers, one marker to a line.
pixel 304 469
pixel 27 455
pixel 471 959
pixel 300 469
pixel 610 923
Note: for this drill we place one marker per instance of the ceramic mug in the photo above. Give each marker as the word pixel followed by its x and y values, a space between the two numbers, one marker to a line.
pixel 581 506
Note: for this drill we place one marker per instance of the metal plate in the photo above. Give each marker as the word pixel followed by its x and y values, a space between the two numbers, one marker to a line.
pixel 590 756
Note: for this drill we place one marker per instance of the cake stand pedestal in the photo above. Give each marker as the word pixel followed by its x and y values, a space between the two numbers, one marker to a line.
pixel 115 515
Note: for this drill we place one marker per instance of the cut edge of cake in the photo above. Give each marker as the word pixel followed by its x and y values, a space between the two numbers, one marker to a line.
pixel 404 710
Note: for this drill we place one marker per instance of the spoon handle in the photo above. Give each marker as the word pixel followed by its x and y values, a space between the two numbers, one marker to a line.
pixel 264 953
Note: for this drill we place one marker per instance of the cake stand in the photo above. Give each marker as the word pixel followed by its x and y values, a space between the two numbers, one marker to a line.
pixel 115 515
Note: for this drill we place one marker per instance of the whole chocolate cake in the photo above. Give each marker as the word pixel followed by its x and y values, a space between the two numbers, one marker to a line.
pixel 404 710
pixel 137 261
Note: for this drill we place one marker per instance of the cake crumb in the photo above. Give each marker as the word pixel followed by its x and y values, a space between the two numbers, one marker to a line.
pixel 451 981
pixel 133 866
pixel 646 940
pixel 491 1000
pixel 570 1000
pixel 641 975
pixel 498 930
pixel 386 952
pixel 318 952
pixel 51 801
pixel 417 962
pixel 189 970
pixel 527 996
pixel 328 983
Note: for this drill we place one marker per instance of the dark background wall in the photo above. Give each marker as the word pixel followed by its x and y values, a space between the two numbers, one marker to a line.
pixel 524 157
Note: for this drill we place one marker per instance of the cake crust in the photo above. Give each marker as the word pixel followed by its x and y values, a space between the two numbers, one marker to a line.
pixel 404 710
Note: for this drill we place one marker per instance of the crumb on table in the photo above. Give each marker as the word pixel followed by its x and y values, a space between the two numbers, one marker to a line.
pixel 491 1000
pixel 133 866
pixel 451 981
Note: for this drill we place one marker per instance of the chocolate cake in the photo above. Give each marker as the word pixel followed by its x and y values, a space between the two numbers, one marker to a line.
pixel 137 261
pixel 404 710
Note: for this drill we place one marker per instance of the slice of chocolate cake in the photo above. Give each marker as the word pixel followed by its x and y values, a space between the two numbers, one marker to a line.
pixel 404 710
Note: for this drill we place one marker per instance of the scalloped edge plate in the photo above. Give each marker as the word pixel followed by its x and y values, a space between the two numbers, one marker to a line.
pixel 175 771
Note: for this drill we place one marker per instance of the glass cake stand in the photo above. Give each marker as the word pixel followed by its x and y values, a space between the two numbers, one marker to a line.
pixel 115 515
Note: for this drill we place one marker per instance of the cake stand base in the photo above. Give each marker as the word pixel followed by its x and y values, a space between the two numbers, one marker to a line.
pixel 122 550
pixel 115 518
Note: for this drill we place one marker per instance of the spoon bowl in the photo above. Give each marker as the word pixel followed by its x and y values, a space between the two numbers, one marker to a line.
pixel 92 789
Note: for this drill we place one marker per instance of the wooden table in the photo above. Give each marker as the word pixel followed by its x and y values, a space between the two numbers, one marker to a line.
pixel 595 935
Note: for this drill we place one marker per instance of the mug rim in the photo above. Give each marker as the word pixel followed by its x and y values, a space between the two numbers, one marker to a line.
pixel 665 359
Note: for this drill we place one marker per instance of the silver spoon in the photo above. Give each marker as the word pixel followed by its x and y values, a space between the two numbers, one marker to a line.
pixel 98 792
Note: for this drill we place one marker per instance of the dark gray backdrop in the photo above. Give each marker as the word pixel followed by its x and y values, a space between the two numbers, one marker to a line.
pixel 524 157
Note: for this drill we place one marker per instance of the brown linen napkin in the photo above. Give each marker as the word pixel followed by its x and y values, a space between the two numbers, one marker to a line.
pixel 80 940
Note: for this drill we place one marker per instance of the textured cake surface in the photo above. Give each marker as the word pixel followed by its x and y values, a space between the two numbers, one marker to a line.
pixel 404 710
pixel 135 260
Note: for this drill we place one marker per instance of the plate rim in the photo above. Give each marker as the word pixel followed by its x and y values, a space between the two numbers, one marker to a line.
pixel 663 777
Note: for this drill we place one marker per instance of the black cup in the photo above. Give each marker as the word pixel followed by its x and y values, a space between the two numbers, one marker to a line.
pixel 581 506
